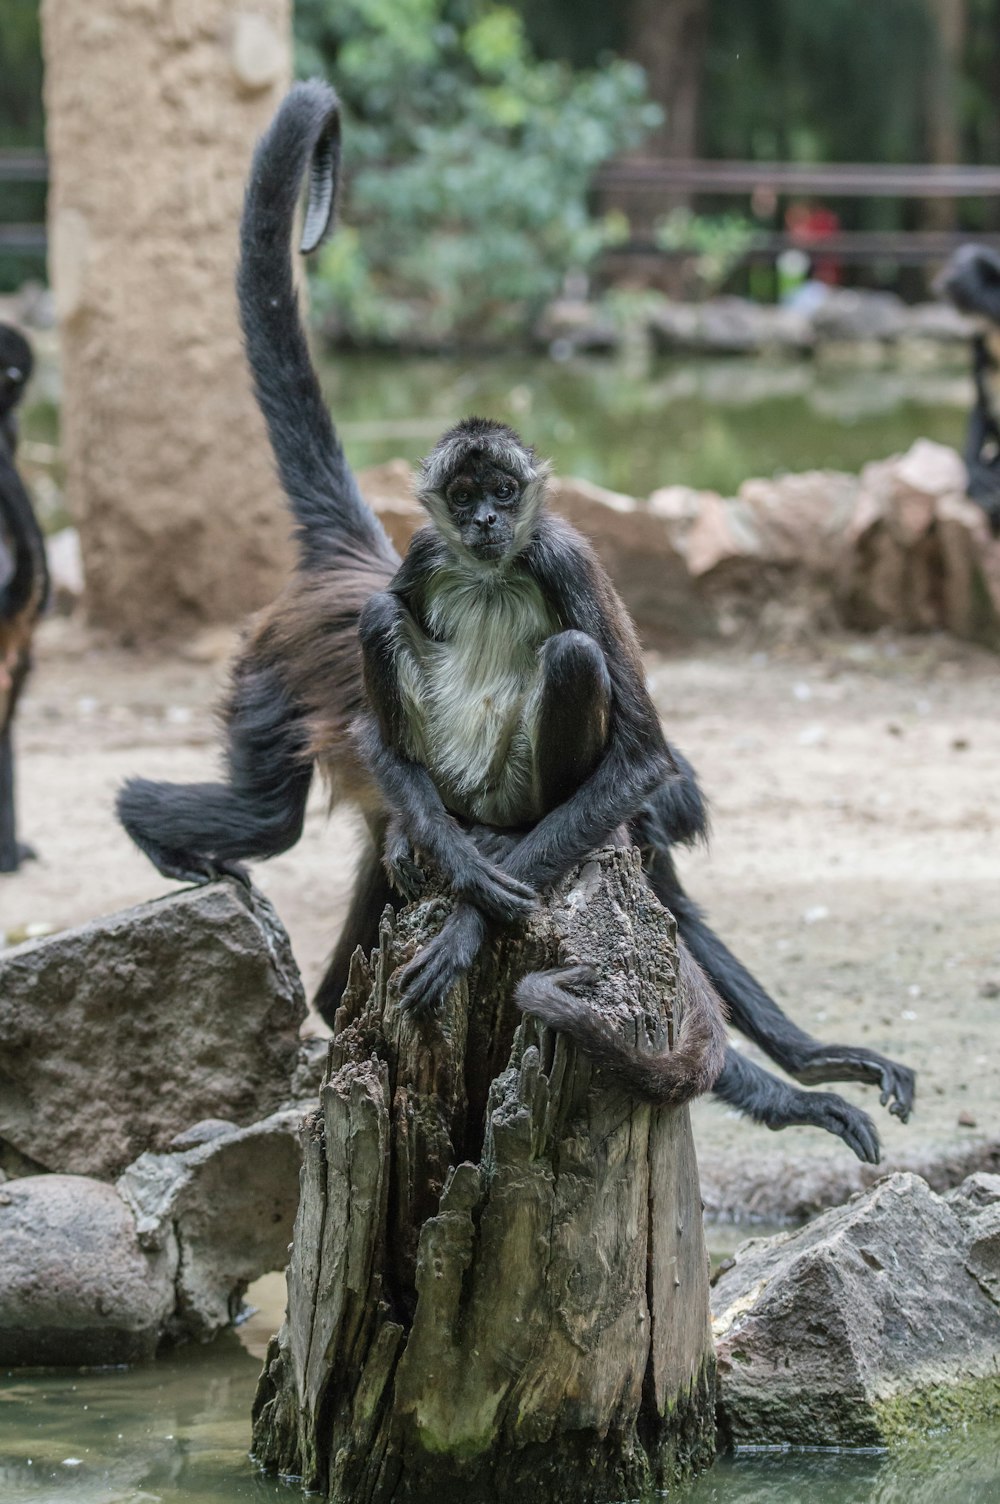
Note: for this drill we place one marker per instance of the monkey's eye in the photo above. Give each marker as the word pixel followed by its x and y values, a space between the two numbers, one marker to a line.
pixel 461 497
pixel 503 490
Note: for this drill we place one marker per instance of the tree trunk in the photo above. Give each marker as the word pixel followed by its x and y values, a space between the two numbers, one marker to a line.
pixel 944 121
pixel 498 1285
pixel 152 110
pixel 667 37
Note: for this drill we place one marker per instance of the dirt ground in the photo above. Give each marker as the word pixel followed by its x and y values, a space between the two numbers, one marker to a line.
pixel 855 860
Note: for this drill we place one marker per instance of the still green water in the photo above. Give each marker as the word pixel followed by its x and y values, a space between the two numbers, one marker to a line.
pixel 709 424
pixel 177 1431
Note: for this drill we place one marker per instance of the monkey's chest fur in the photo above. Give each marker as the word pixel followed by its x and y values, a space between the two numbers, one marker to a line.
pixel 471 685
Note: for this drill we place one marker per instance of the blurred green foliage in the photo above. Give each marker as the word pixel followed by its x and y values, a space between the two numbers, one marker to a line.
pixel 21 125
pixel 716 242
pixel 468 166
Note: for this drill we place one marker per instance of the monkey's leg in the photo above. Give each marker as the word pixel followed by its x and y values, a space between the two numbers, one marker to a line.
pixel 757 1015
pixel 568 727
pixel 193 832
pixel 10 857
pixel 372 891
pixel 570 734
pixel 777 1104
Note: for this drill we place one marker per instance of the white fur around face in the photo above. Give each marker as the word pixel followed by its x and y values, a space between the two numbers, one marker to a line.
pixel 472 696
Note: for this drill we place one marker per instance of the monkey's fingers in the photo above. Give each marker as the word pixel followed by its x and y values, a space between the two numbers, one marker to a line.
pixel 824 1109
pixel 835 1062
pixel 405 876
pixel 424 983
pixel 495 845
pixel 496 894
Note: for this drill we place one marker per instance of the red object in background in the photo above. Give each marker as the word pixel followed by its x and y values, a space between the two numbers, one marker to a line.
pixel 809 225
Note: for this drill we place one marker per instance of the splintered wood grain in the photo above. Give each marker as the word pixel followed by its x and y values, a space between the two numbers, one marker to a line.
pixel 498 1285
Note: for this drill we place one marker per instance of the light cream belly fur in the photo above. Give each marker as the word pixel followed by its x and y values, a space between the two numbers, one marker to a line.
pixel 472 689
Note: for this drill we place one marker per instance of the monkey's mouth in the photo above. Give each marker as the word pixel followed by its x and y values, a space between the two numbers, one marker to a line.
pixel 488 549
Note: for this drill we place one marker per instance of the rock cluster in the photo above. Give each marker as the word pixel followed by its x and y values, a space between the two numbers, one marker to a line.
pixel 160 1046
pixel 875 1322
pixel 898 546
pixel 836 321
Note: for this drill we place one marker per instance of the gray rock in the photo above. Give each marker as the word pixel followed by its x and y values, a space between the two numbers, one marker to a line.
pixel 728 326
pixel 862 1328
pixel 76 1287
pixel 574 324
pixel 857 314
pixel 117 1036
pixel 229 1203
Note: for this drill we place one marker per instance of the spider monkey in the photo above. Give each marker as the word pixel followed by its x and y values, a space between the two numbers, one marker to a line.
pixel 328 676
pixel 971 279
pixel 24 582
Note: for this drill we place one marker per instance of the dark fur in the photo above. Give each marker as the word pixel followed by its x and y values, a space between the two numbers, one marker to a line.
pixel 667 1077
pixel 971 280
pixel 25 586
pixel 305 652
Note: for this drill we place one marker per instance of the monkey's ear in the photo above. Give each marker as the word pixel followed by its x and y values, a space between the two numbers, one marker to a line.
pixel 324 173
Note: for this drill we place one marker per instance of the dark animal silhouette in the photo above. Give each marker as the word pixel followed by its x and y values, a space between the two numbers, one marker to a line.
pixel 24 582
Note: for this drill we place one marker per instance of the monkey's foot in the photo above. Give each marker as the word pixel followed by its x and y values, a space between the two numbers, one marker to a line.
pixel 188 867
pixel 824 1109
pixel 844 1062
pixel 425 982
pixel 11 860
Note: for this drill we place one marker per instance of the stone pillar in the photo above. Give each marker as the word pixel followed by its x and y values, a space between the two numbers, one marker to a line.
pixel 153 108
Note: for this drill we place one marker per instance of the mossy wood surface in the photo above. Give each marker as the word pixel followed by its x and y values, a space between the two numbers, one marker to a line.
pixel 498 1285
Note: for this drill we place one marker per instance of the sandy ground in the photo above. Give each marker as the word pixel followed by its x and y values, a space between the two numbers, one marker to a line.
pixel 855 861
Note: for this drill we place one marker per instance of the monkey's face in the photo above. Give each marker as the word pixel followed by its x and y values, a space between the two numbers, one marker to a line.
pixel 483 503
pixel 483 488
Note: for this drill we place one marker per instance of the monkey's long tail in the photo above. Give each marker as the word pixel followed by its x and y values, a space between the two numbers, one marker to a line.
pixel 331 515
pixel 666 1077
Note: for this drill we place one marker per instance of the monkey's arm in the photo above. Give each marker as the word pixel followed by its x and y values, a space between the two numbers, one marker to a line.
pixel 777 1104
pixel 407 786
pixel 676 813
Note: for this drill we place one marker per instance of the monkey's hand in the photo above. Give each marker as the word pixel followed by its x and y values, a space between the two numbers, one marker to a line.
pixel 402 868
pixel 425 982
pixel 492 890
pixel 845 1062
pixel 824 1109
pixel 496 845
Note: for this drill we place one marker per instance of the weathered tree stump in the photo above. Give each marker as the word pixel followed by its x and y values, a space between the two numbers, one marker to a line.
pixel 498 1284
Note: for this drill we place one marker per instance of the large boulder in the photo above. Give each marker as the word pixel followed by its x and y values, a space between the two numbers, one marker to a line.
pixel 76 1286
pixel 872 1323
pixel 890 570
pixel 93 1274
pixel 639 553
pixel 229 1203
pixel 116 1036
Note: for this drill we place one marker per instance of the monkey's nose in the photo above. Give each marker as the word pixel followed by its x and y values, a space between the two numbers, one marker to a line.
pixel 490 519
